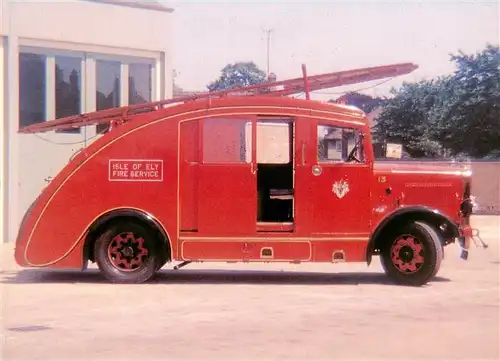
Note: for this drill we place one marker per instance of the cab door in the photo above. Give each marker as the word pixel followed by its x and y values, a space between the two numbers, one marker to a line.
pixel 333 192
pixel 227 195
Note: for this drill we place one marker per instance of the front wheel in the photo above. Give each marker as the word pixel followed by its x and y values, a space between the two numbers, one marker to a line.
pixel 412 255
pixel 127 252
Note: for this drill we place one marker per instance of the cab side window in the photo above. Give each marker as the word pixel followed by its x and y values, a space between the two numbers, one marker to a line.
pixel 227 140
pixel 336 143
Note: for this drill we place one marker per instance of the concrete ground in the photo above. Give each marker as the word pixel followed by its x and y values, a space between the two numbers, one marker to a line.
pixel 257 312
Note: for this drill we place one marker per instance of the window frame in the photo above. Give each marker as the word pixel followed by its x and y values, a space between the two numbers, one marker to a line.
pixel 50 55
pixel 124 60
pixel 88 80
pixel 358 137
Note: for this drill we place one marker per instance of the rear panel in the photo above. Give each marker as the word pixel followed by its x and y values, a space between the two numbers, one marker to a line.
pixel 138 171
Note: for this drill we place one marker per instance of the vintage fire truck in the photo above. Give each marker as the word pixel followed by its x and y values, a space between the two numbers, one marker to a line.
pixel 243 175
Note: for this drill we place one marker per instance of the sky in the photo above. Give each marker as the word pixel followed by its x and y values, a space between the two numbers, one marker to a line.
pixel 328 36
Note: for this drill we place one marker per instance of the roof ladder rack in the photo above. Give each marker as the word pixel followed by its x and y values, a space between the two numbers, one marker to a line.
pixel 305 84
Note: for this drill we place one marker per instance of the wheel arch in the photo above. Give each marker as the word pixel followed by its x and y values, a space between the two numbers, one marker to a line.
pixel 100 223
pixel 446 227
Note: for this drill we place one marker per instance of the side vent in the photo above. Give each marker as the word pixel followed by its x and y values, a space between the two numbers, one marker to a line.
pixel 338 256
pixel 266 252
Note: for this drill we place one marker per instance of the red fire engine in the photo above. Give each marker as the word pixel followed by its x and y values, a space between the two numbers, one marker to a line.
pixel 247 175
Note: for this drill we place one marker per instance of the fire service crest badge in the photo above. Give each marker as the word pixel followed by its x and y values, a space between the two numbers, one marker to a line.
pixel 340 188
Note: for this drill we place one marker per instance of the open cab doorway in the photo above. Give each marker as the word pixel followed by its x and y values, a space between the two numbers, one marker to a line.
pixel 275 175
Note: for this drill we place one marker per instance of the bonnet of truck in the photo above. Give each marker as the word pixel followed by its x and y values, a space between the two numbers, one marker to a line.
pixel 439 186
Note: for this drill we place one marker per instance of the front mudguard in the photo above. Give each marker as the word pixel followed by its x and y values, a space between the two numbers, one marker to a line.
pixel 447 228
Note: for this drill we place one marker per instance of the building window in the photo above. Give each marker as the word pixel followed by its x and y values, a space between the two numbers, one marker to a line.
pixel 227 140
pixel 68 88
pixel 139 83
pixel 108 84
pixel 32 94
pixel 55 84
pixel 335 143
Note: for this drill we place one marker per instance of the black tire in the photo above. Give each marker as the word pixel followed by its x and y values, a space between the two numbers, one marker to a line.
pixel 121 255
pixel 408 264
pixel 161 261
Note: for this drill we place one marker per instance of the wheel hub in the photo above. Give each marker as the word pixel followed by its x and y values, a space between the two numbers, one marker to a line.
pixel 407 254
pixel 127 252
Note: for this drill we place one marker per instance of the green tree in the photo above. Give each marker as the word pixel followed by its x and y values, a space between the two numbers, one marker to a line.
pixel 239 74
pixel 454 115
pixel 405 119
pixel 467 115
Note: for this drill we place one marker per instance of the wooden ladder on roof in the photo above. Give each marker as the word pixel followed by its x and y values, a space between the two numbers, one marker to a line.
pixel 304 84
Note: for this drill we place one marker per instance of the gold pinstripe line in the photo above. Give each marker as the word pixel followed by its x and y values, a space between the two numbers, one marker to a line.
pixel 268 239
pixel 254 259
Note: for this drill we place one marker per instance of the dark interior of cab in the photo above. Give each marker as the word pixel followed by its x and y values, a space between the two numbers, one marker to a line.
pixel 275 188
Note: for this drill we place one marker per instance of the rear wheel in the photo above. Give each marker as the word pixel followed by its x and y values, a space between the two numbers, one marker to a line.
pixel 412 255
pixel 127 252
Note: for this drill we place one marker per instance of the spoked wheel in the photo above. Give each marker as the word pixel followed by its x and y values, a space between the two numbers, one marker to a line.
pixel 127 252
pixel 412 255
pixel 407 254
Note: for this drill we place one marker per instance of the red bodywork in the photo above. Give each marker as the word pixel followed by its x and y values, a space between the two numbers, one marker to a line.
pixel 193 170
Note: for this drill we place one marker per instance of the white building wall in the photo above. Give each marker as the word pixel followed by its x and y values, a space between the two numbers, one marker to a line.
pixel 4 19
pixel 85 35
